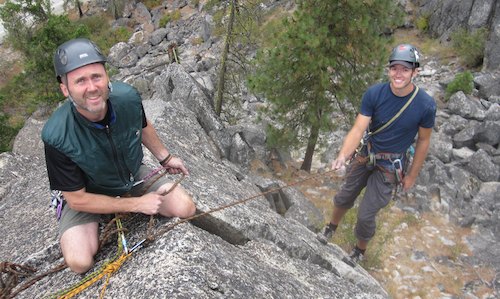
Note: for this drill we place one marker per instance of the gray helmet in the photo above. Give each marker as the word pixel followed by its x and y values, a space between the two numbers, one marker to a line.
pixel 74 54
pixel 406 53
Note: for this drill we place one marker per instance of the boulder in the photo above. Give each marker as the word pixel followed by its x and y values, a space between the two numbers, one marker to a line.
pixel 441 146
pixel 466 106
pixel 482 166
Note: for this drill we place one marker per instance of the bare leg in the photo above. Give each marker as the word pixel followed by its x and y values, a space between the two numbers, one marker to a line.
pixel 337 215
pixel 362 244
pixel 79 244
pixel 177 203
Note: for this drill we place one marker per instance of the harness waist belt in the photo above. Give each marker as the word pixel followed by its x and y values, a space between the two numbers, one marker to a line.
pixel 388 156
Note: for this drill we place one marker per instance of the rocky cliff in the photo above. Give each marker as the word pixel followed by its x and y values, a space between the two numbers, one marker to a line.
pixel 266 247
pixel 447 16
pixel 252 250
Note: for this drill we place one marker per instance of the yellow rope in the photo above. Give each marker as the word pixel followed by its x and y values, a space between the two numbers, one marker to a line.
pixel 108 270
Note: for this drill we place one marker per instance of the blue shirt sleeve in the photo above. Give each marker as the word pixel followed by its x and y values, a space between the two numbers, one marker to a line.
pixel 429 117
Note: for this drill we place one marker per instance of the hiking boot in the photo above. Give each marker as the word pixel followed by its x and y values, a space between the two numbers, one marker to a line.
pixel 354 258
pixel 326 233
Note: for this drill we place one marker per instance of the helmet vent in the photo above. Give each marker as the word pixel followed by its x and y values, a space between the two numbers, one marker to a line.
pixel 63 58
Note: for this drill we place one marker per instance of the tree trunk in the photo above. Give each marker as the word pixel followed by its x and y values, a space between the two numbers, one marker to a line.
pixel 223 66
pixel 79 6
pixel 311 145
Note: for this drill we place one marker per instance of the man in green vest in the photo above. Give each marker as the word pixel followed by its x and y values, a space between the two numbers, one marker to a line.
pixel 93 151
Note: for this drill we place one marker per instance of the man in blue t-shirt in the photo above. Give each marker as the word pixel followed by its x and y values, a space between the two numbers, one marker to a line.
pixel 380 167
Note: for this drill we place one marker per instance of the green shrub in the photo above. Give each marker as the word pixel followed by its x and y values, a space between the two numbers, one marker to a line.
pixel 173 16
pixel 164 20
pixel 21 95
pixel 102 34
pixel 470 45
pixel 422 23
pixel 7 133
pixel 462 81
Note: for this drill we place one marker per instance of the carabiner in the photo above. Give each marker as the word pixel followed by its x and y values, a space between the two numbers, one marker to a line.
pixel 398 169
pixel 397 164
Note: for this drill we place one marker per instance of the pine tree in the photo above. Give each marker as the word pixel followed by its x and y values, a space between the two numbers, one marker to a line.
pixel 327 56
pixel 225 52
pixel 35 33
pixel 238 22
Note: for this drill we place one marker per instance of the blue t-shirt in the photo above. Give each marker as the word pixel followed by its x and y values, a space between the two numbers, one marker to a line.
pixel 380 103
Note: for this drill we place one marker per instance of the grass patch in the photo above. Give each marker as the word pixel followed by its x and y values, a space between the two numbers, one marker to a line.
pixel 170 17
pixel 428 47
pixel 387 224
pixel 150 4
pixel 344 235
pixel 462 82
pixel 456 251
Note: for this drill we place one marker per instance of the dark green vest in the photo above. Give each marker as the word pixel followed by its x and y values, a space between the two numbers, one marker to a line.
pixel 108 156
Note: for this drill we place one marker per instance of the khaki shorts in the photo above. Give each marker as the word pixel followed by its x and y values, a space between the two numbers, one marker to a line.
pixel 70 218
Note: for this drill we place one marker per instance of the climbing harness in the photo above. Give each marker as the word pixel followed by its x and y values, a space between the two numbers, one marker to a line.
pixel 57 200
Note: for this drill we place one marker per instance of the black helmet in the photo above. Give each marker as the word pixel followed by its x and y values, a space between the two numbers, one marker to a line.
pixel 74 54
pixel 405 53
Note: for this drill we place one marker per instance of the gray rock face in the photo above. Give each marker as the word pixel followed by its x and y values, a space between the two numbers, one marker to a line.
pixel 441 147
pixel 488 84
pixel 465 138
pixel 489 133
pixel 481 165
pixel 446 16
pixel 492 57
pixel 466 107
